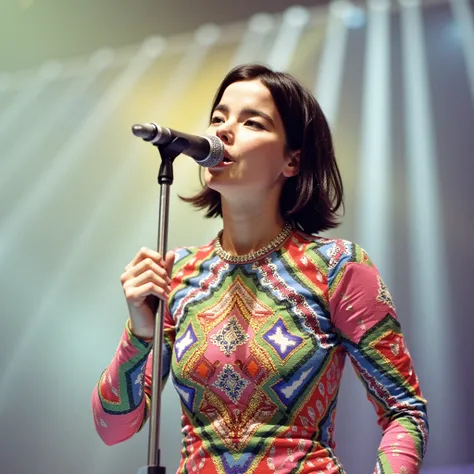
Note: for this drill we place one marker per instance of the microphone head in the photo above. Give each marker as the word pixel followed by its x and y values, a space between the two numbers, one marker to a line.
pixel 146 131
pixel 216 152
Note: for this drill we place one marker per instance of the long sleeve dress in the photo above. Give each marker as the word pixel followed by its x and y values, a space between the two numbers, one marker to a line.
pixel 256 352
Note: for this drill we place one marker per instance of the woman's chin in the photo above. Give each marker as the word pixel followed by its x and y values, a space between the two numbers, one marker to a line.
pixel 215 179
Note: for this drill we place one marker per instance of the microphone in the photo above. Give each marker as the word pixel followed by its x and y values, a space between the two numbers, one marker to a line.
pixel 207 150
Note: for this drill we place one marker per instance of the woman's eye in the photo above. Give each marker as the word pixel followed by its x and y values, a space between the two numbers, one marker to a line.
pixel 216 120
pixel 255 124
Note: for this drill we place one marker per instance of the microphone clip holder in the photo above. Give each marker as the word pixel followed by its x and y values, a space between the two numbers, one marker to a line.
pixel 168 153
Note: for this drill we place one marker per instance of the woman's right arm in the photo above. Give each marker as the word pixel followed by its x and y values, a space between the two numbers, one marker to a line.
pixel 121 398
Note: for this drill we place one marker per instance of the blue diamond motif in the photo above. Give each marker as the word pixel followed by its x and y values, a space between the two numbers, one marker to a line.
pixel 186 394
pixel 282 340
pixel 289 390
pixel 232 466
pixel 231 383
pixel 187 340
pixel 135 382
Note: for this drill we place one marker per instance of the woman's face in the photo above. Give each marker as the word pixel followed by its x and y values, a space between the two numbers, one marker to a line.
pixel 248 123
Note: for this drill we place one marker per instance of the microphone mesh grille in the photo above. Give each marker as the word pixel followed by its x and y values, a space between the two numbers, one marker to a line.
pixel 216 152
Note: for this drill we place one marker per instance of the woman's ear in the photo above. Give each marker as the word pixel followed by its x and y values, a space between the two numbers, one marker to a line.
pixel 292 167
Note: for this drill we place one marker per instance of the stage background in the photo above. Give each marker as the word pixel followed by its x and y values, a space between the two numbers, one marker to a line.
pixel 78 195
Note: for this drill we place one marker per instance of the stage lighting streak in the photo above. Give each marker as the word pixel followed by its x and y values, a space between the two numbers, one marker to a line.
pixel 257 31
pixel 188 66
pixel 294 20
pixel 70 154
pixel 261 23
pixel 26 148
pixel 373 210
pixel 102 59
pixel 464 18
pixel 207 35
pixel 327 88
pixel 426 258
pixel 47 73
pixel 426 231
pixel 355 16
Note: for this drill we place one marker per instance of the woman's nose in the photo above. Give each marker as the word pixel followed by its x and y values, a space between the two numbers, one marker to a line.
pixel 224 132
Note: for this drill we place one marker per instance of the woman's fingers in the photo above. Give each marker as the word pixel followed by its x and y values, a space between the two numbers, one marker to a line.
pixel 169 262
pixel 143 254
pixel 146 283
pixel 136 295
pixel 146 275
pixel 144 266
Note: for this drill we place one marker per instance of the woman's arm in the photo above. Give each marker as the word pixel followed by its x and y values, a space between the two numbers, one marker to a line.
pixel 121 398
pixel 363 312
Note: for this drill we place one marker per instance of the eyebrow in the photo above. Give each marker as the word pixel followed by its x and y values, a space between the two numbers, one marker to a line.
pixel 247 111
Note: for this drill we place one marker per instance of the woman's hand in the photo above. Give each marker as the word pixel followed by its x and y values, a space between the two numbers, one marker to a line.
pixel 147 276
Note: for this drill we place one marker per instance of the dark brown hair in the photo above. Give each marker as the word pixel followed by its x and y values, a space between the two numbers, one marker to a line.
pixel 311 198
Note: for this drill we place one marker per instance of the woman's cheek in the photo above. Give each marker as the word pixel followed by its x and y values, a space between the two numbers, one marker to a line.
pixel 207 175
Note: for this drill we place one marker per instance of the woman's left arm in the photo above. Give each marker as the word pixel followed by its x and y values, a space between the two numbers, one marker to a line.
pixel 364 315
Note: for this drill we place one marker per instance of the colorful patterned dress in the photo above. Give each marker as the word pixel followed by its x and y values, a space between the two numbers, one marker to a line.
pixel 256 352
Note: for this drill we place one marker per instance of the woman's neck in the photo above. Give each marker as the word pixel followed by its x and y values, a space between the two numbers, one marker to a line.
pixel 249 229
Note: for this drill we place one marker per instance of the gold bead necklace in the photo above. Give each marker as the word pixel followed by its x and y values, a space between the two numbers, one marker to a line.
pixel 250 257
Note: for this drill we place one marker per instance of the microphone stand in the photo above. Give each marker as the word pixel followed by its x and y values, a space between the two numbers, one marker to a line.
pixel 168 153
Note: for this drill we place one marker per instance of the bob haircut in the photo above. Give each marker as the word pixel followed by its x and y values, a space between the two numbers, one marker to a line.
pixel 310 199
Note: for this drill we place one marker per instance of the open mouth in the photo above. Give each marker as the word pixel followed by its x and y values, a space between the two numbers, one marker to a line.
pixel 225 162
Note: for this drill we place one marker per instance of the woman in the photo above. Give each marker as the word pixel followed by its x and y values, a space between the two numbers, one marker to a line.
pixel 260 320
